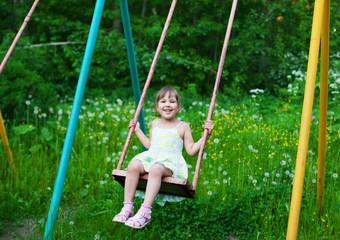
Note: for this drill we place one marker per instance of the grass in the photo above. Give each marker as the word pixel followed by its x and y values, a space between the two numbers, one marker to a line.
pixel 244 186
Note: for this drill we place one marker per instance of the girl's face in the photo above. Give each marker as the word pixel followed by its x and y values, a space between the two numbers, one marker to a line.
pixel 168 107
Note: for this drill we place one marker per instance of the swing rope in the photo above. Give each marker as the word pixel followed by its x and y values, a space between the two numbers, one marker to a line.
pixel 27 18
pixel 152 69
pixel 213 99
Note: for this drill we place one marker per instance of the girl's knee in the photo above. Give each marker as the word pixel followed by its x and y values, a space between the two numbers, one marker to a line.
pixel 135 166
pixel 159 170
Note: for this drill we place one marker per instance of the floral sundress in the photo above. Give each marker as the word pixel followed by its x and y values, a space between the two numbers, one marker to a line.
pixel 166 149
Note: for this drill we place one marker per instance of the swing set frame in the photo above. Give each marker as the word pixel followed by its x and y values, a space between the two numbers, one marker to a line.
pixel 320 33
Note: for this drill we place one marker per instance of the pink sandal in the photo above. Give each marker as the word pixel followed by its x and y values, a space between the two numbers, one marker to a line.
pixel 124 215
pixel 139 220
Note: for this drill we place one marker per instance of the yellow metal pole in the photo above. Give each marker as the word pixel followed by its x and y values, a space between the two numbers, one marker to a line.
pixel 323 104
pixel 5 143
pixel 295 205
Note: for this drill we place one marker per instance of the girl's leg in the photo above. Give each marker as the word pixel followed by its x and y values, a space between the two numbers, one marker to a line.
pixel 156 173
pixel 134 170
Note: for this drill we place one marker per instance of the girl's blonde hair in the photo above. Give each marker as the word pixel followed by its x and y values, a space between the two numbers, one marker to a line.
pixel 172 92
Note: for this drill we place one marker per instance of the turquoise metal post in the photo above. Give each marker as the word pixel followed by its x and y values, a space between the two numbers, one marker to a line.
pixel 132 59
pixel 65 156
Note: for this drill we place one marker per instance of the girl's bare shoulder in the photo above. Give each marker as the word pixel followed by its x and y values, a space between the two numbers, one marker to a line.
pixel 183 128
pixel 154 122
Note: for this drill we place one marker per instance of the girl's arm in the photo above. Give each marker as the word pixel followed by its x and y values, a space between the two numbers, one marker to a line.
pixel 140 135
pixel 192 147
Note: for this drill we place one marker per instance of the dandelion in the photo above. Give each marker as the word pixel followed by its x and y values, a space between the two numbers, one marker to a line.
pixel 277 175
pixel 48 188
pixel 225 180
pixel 102 182
pixel 291 175
pixel 209 193
pixel 254 181
pixel 134 147
pixel 71 223
pixel 314 181
pixel 250 177
pixel 205 182
pixel 310 152
pixel 283 162
pixel 287 172
pixel 216 140
pixel 250 147
pixel 36 111
pixel 87 186
pixel 266 174
pixel 119 101
pixel 225 173
pixel 265 179
pixel 28 102
pixel 274 183
pixel 106 175
pixel 60 111
pixel 97 236
pixel 335 175
pixel 219 169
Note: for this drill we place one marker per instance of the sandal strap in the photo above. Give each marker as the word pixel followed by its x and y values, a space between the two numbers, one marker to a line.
pixel 146 215
pixel 126 212
pixel 140 218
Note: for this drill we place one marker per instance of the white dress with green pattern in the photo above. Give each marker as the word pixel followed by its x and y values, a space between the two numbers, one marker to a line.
pixel 166 149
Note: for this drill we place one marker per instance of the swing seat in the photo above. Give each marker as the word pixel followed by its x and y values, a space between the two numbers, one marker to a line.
pixel 170 186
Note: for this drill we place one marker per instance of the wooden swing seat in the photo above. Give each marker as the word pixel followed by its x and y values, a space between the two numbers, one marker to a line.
pixel 170 186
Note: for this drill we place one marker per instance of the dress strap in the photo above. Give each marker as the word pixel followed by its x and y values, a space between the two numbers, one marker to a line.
pixel 157 122
pixel 178 124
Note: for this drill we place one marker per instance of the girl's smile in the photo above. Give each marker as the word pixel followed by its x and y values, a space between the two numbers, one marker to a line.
pixel 168 107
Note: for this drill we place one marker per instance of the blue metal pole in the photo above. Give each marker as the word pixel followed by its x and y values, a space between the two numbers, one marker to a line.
pixel 65 156
pixel 132 59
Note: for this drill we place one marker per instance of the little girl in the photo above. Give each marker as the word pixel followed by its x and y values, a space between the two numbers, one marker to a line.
pixel 163 158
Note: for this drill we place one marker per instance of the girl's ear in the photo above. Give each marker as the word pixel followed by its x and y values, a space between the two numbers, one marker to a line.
pixel 179 107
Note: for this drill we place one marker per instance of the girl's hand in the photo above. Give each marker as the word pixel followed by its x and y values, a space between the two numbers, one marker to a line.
pixel 133 123
pixel 209 125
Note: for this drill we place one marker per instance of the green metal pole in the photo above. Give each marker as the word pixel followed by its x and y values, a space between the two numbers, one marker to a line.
pixel 65 156
pixel 132 59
